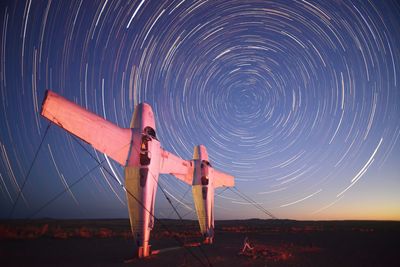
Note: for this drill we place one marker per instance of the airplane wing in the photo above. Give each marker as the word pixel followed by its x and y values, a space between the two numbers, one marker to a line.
pixel 174 165
pixel 222 179
pixel 103 135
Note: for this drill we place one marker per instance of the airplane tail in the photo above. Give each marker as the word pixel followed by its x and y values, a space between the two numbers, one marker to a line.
pixel 219 178
pixel 103 135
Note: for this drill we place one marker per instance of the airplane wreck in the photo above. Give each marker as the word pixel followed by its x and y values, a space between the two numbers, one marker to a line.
pixel 139 151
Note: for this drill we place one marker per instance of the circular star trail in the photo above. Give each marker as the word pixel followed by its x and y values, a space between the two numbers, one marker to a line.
pixel 299 100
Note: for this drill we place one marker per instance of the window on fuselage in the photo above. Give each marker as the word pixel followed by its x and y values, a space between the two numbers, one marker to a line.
pixel 150 131
pixel 144 151
pixel 205 163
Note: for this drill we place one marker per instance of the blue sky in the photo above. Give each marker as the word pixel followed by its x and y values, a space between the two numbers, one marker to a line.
pixel 299 101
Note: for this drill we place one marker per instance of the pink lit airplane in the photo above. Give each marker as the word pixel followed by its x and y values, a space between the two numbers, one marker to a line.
pixel 138 150
pixel 205 180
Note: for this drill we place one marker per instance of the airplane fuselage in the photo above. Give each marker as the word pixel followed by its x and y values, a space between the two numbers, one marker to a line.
pixel 203 193
pixel 138 150
pixel 141 177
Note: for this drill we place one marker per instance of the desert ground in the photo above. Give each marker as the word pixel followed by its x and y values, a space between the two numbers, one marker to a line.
pixel 49 242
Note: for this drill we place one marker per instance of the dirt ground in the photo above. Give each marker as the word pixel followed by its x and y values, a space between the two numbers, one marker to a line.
pixel 273 242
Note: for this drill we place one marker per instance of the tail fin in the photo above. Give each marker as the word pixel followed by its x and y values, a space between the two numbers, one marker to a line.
pixel 103 135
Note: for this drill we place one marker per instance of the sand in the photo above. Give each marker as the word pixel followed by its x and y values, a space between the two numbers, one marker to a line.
pixel 274 243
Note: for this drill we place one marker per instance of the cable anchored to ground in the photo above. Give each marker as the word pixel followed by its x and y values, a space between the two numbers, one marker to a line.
pixel 252 202
pixel 29 171
pixel 177 239
pixel 181 220
pixel 65 190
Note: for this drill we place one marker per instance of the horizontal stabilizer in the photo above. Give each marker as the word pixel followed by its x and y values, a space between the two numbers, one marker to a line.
pixel 103 135
pixel 171 164
pixel 222 179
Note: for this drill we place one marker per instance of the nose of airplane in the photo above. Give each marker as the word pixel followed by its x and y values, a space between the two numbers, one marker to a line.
pixel 200 152
pixel 143 117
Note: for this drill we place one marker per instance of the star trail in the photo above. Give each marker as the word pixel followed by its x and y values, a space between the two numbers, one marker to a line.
pixel 299 100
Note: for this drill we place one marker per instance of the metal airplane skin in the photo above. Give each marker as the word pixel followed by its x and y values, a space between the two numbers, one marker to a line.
pixel 205 180
pixel 138 150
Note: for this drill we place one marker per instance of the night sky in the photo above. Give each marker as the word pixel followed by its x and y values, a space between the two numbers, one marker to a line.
pixel 299 100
